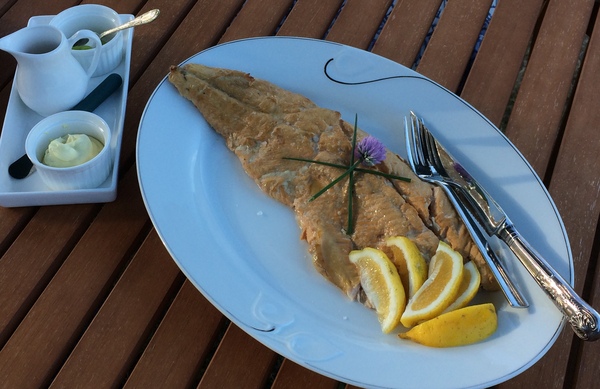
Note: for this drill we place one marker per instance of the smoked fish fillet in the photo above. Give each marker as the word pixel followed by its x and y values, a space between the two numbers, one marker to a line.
pixel 263 123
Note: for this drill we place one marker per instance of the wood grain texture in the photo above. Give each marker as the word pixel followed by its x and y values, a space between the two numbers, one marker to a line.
pixel 404 32
pixel 536 119
pixel 26 268
pixel 448 52
pixel 310 18
pixel 358 22
pixel 44 338
pixel 105 353
pixel 182 342
pixel 293 376
pixel 239 359
pixel 495 69
pixel 271 14
pixel 576 176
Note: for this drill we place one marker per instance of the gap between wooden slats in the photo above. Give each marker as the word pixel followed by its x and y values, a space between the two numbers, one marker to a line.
pixel 575 187
pixel 26 268
pixel 239 359
pixel 45 337
pixel 536 119
pixel 293 376
pixel 535 126
pixel 405 30
pixel 358 22
pixel 175 356
pixel 270 13
pixel 310 18
pixel 448 52
pixel 496 67
pixel 112 341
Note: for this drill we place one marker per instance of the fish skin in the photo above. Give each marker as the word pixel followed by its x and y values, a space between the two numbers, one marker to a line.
pixel 262 123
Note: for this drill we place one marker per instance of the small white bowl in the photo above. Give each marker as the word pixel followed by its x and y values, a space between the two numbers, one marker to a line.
pixel 88 175
pixel 97 18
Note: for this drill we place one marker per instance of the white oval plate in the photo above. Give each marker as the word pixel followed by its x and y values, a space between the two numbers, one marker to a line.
pixel 242 250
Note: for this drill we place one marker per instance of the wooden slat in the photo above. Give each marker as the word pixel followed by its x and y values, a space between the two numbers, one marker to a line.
pixel 46 335
pixel 310 18
pixel 5 92
pixel 5 5
pixel 111 343
pixel 180 345
pixel 270 13
pixel 581 181
pixel 535 121
pixel 404 33
pixel 496 67
pixel 575 187
pixel 12 222
pixel 293 376
pixel 239 360
pixel 576 174
pixel 358 22
pixel 26 269
pixel 533 126
pixel 449 49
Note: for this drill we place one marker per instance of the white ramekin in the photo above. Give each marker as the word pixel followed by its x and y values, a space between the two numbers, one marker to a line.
pixel 88 175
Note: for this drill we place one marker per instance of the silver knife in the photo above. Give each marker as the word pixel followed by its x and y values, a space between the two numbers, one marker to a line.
pixel 584 320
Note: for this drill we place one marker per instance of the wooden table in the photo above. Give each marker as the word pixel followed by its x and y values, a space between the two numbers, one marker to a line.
pixel 89 297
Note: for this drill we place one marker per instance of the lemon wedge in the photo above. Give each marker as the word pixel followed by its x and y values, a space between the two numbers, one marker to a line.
pixel 439 290
pixel 457 328
pixel 382 285
pixel 471 279
pixel 409 262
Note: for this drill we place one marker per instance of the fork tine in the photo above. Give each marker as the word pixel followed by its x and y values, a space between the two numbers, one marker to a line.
pixel 418 155
pixel 433 154
pixel 411 148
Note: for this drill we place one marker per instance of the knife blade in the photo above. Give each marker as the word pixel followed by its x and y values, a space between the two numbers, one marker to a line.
pixel 584 320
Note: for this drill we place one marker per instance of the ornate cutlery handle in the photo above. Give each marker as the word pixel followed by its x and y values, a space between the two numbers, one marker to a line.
pixel 583 318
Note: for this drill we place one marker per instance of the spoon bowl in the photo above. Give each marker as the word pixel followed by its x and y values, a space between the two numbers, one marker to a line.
pixel 138 21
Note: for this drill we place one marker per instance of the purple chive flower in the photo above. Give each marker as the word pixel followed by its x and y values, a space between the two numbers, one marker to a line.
pixel 370 151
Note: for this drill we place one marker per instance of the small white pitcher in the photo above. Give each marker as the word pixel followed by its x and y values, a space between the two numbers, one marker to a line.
pixel 48 78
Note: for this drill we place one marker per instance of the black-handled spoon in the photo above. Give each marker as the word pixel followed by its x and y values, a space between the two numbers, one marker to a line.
pixel 22 166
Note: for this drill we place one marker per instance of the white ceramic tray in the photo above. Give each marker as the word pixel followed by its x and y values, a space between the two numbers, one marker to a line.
pixel 20 119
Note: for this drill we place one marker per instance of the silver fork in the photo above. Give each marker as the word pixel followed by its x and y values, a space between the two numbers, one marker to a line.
pixel 425 162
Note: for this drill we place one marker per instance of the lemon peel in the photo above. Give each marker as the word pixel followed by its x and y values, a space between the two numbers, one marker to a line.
pixel 469 285
pixel 409 262
pixel 382 285
pixel 457 328
pixel 439 290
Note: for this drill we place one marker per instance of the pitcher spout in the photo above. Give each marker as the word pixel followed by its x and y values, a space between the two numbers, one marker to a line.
pixel 31 41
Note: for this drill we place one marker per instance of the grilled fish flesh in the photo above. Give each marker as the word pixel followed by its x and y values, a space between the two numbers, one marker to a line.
pixel 263 123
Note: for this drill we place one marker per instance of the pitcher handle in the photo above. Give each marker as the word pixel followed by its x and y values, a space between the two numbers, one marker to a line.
pixel 91 35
